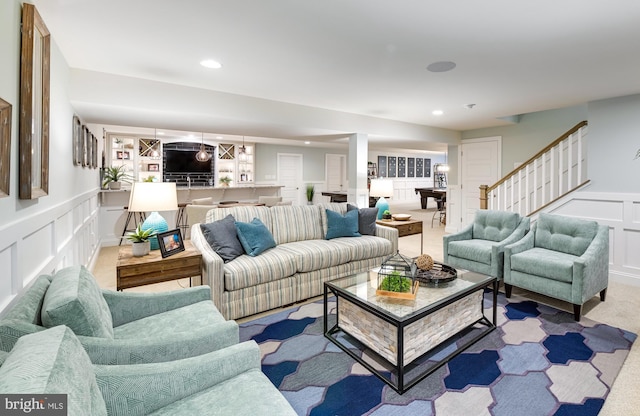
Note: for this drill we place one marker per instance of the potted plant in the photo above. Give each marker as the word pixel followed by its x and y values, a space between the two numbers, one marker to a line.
pixel 113 176
pixel 225 180
pixel 311 190
pixel 140 241
pixel 386 214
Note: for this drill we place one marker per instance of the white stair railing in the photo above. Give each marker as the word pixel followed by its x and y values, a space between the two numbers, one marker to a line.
pixel 553 172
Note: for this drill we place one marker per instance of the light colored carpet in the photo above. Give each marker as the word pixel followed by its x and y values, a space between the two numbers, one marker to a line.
pixel 619 310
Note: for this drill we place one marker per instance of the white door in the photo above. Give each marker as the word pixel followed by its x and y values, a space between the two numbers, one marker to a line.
pixel 336 173
pixel 479 165
pixel 290 177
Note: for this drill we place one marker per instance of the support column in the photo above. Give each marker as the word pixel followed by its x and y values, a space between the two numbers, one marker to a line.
pixel 358 193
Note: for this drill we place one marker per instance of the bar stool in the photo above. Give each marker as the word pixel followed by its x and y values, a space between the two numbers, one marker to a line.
pixel 138 218
pixel 182 219
pixel 441 210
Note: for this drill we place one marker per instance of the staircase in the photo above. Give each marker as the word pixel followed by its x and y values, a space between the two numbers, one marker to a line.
pixel 555 171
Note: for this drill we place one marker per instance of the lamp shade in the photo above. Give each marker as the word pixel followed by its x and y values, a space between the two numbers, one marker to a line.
pixel 381 188
pixel 154 197
pixel 150 196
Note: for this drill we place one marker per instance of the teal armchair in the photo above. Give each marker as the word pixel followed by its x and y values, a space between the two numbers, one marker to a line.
pixel 479 247
pixel 562 257
pixel 223 382
pixel 118 327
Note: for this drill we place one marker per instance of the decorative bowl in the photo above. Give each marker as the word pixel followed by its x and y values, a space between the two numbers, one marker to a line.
pixel 401 217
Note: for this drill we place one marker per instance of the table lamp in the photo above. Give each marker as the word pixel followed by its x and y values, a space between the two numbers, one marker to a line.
pixel 153 197
pixel 381 188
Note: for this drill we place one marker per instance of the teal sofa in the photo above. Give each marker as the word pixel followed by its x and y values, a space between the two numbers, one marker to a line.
pixel 120 327
pixel 479 247
pixel 223 382
pixel 562 257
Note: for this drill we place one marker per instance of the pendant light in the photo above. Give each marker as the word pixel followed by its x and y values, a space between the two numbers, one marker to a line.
pixel 242 152
pixel 203 155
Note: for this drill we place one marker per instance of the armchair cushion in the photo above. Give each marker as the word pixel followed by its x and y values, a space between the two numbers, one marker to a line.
pixel 475 250
pixel 551 264
pixel 186 318
pixel 565 234
pixel 494 225
pixel 75 300
pixel 54 362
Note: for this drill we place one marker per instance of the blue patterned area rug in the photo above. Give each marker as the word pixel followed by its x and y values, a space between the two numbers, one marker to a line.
pixel 539 361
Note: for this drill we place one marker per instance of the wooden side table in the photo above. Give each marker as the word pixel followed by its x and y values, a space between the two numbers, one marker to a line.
pixel 409 227
pixel 152 268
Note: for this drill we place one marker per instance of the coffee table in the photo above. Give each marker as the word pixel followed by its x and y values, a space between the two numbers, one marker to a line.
pixel 403 341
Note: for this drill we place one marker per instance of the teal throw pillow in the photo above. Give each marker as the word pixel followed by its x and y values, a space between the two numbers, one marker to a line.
pixel 342 225
pixel 254 237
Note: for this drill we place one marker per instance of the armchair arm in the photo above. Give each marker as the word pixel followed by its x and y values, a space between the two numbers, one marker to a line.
pixel 173 346
pixel 131 306
pixel 390 234
pixel 213 268
pixel 12 329
pixel 160 384
pixel 591 270
pixel 497 249
pixel 465 234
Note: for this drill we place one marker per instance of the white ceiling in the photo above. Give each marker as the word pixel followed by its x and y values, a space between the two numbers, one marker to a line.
pixel 364 57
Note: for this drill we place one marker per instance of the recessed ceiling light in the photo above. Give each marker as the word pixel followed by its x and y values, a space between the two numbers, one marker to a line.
pixel 210 63
pixel 307 142
pixel 442 66
pixel 437 112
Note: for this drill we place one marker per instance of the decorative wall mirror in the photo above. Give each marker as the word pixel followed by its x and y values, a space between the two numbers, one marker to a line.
pixel 5 147
pixel 34 105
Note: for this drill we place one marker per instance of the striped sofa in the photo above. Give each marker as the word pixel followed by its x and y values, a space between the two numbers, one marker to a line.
pixel 296 268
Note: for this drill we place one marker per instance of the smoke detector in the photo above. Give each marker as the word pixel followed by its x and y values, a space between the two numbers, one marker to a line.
pixel 469 106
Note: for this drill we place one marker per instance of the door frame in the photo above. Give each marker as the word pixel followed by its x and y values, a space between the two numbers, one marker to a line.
pixel 299 181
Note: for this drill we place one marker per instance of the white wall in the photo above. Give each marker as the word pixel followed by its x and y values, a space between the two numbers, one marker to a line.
pixel 42 235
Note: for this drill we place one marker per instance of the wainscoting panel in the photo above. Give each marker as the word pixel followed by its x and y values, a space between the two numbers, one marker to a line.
pixel 621 213
pixel 63 235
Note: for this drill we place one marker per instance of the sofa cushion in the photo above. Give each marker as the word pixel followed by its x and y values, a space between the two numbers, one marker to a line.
pixel 246 271
pixel 317 254
pixel 366 219
pixel 365 247
pixel 546 263
pixel 254 237
pixel 223 238
pixel 296 223
pixel 494 225
pixel 53 362
pixel 75 300
pixel 565 234
pixel 342 225
pixel 184 319
pixel 475 250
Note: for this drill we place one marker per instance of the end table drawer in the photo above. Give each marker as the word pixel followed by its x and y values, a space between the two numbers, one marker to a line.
pixel 409 229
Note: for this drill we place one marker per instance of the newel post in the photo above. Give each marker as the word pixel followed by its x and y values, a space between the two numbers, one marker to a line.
pixel 483 196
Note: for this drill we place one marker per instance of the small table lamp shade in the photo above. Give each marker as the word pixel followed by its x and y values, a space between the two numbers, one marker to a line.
pixel 153 197
pixel 381 188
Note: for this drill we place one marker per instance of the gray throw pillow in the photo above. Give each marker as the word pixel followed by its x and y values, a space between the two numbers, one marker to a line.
pixel 366 219
pixel 223 238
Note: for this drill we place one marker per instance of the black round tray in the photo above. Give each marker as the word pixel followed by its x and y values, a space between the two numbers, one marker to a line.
pixel 439 273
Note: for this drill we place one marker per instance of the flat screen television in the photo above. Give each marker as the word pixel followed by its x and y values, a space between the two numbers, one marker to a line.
pixel 184 161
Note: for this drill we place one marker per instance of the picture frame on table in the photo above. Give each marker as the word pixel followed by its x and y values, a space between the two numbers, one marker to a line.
pixel 170 242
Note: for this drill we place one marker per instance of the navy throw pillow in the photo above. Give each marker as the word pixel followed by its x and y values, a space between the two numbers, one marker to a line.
pixel 223 238
pixel 366 219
